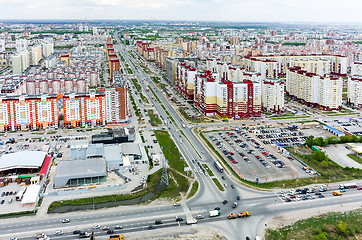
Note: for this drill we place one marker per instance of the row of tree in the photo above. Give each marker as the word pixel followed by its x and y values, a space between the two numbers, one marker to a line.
pixel 319 141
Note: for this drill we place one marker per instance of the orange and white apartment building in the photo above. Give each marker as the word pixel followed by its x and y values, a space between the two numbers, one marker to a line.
pixel 28 112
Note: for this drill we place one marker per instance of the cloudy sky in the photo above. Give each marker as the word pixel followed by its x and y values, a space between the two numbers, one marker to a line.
pixel 187 10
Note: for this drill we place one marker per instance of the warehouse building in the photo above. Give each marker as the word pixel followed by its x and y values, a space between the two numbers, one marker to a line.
pixel 23 161
pixel 79 172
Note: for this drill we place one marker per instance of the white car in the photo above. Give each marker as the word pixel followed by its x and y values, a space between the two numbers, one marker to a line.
pixel 58 233
pixel 177 204
pixel 67 220
pixel 96 226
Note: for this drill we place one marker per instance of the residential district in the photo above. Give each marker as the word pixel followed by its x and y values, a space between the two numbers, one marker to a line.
pixel 153 130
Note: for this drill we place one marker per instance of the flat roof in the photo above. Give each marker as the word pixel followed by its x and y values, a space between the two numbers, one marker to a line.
pixel 31 194
pixel 22 159
pixel 74 169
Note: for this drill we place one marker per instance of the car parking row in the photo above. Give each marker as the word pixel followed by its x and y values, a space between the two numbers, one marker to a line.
pixel 286 137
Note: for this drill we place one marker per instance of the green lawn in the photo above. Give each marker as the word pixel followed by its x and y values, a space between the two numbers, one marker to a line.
pixel 208 170
pixel 144 99
pixel 194 189
pixel 355 158
pixel 135 83
pixel 170 151
pixel 218 184
pixel 328 226
pixel 182 182
pixel 155 120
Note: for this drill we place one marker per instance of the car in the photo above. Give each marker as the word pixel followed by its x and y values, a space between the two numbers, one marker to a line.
pixel 179 219
pixel 158 222
pixel 225 185
pixel 151 227
pixel 237 197
pixel 110 231
pixel 118 227
pixel 235 204
pixel 7 194
pixel 96 226
pixel 359 188
pixel 247 238
pixel 177 204
pixel 105 228
pixel 288 200
pixel 225 202
pixel 320 196
pixel 200 216
pixel 222 177
pixel 3 194
pixel 67 220
pixel 217 208
pixel 76 232
pixel 2 201
pixel 13 238
pixel 232 186
pixel 58 233
pixel 318 193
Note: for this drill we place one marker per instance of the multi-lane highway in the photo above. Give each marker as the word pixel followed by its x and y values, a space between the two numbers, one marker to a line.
pixel 261 205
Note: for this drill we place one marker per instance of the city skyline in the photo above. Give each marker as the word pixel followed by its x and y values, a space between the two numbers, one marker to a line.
pixel 187 10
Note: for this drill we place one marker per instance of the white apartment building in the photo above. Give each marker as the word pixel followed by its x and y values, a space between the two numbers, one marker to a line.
pixel 354 96
pixel 314 90
pixel 356 68
pixel 272 96
pixel 21 45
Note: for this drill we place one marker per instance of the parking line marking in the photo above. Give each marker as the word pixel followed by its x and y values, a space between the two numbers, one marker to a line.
pixel 279 197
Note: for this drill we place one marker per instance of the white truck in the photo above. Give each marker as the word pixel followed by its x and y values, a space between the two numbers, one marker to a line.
pixel 191 220
pixel 347 186
pixel 214 213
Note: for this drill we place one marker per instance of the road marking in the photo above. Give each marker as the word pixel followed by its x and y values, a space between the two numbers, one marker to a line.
pixel 279 197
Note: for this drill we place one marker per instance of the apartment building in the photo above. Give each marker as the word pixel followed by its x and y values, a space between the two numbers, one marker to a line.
pixel 272 96
pixel 354 95
pixel 84 109
pixel 227 99
pixel 274 66
pixel 314 90
pixel 27 112
pixel 185 79
pixel 113 61
pixel 356 68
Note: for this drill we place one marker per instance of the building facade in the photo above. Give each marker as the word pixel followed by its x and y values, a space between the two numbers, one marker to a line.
pixel 272 95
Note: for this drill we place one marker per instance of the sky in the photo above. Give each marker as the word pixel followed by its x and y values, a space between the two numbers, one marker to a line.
pixel 334 11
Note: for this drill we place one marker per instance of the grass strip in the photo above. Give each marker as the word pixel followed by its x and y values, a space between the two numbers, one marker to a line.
pixel 208 170
pixel 218 184
pixel 194 189
pixel 355 158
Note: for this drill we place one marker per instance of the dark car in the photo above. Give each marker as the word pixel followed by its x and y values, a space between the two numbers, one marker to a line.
pixel 321 196
pixel 158 222
pixel 151 227
pixel 2 201
pixel 179 219
pixel 110 231
pixel 217 208
pixel 237 197
pixel 3 194
pixel 222 177
pixel 225 202
pixel 76 232
pixel 318 193
pixel 232 186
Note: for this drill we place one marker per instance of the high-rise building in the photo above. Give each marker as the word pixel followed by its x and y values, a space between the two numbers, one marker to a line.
pixel 314 90
pixel 21 45
pixel 84 109
pixel 20 62
pixel 26 112
pixel 48 49
pixel 272 96
pixel 354 95
pixel 225 98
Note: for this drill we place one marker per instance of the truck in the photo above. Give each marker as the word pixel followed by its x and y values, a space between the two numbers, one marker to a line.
pixel 191 220
pixel 214 213
pixel 231 216
pixel 244 214
pixel 323 188
pixel 337 193
pixel 347 186
pixel 116 237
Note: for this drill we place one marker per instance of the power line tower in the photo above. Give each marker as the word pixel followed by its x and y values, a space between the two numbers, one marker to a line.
pixel 164 178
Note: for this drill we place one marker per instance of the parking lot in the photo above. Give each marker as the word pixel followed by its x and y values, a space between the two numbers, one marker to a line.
pixel 8 202
pixel 254 160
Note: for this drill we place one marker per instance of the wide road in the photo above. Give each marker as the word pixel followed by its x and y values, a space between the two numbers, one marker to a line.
pixel 262 205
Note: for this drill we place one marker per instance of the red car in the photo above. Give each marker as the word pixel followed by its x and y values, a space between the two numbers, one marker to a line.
pixel 359 188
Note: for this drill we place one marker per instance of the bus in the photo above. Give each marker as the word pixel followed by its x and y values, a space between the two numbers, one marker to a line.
pixel 218 166
pixel 20 193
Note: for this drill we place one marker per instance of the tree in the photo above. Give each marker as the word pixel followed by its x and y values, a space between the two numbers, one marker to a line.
pixel 310 141
pixel 333 140
pixel 319 141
